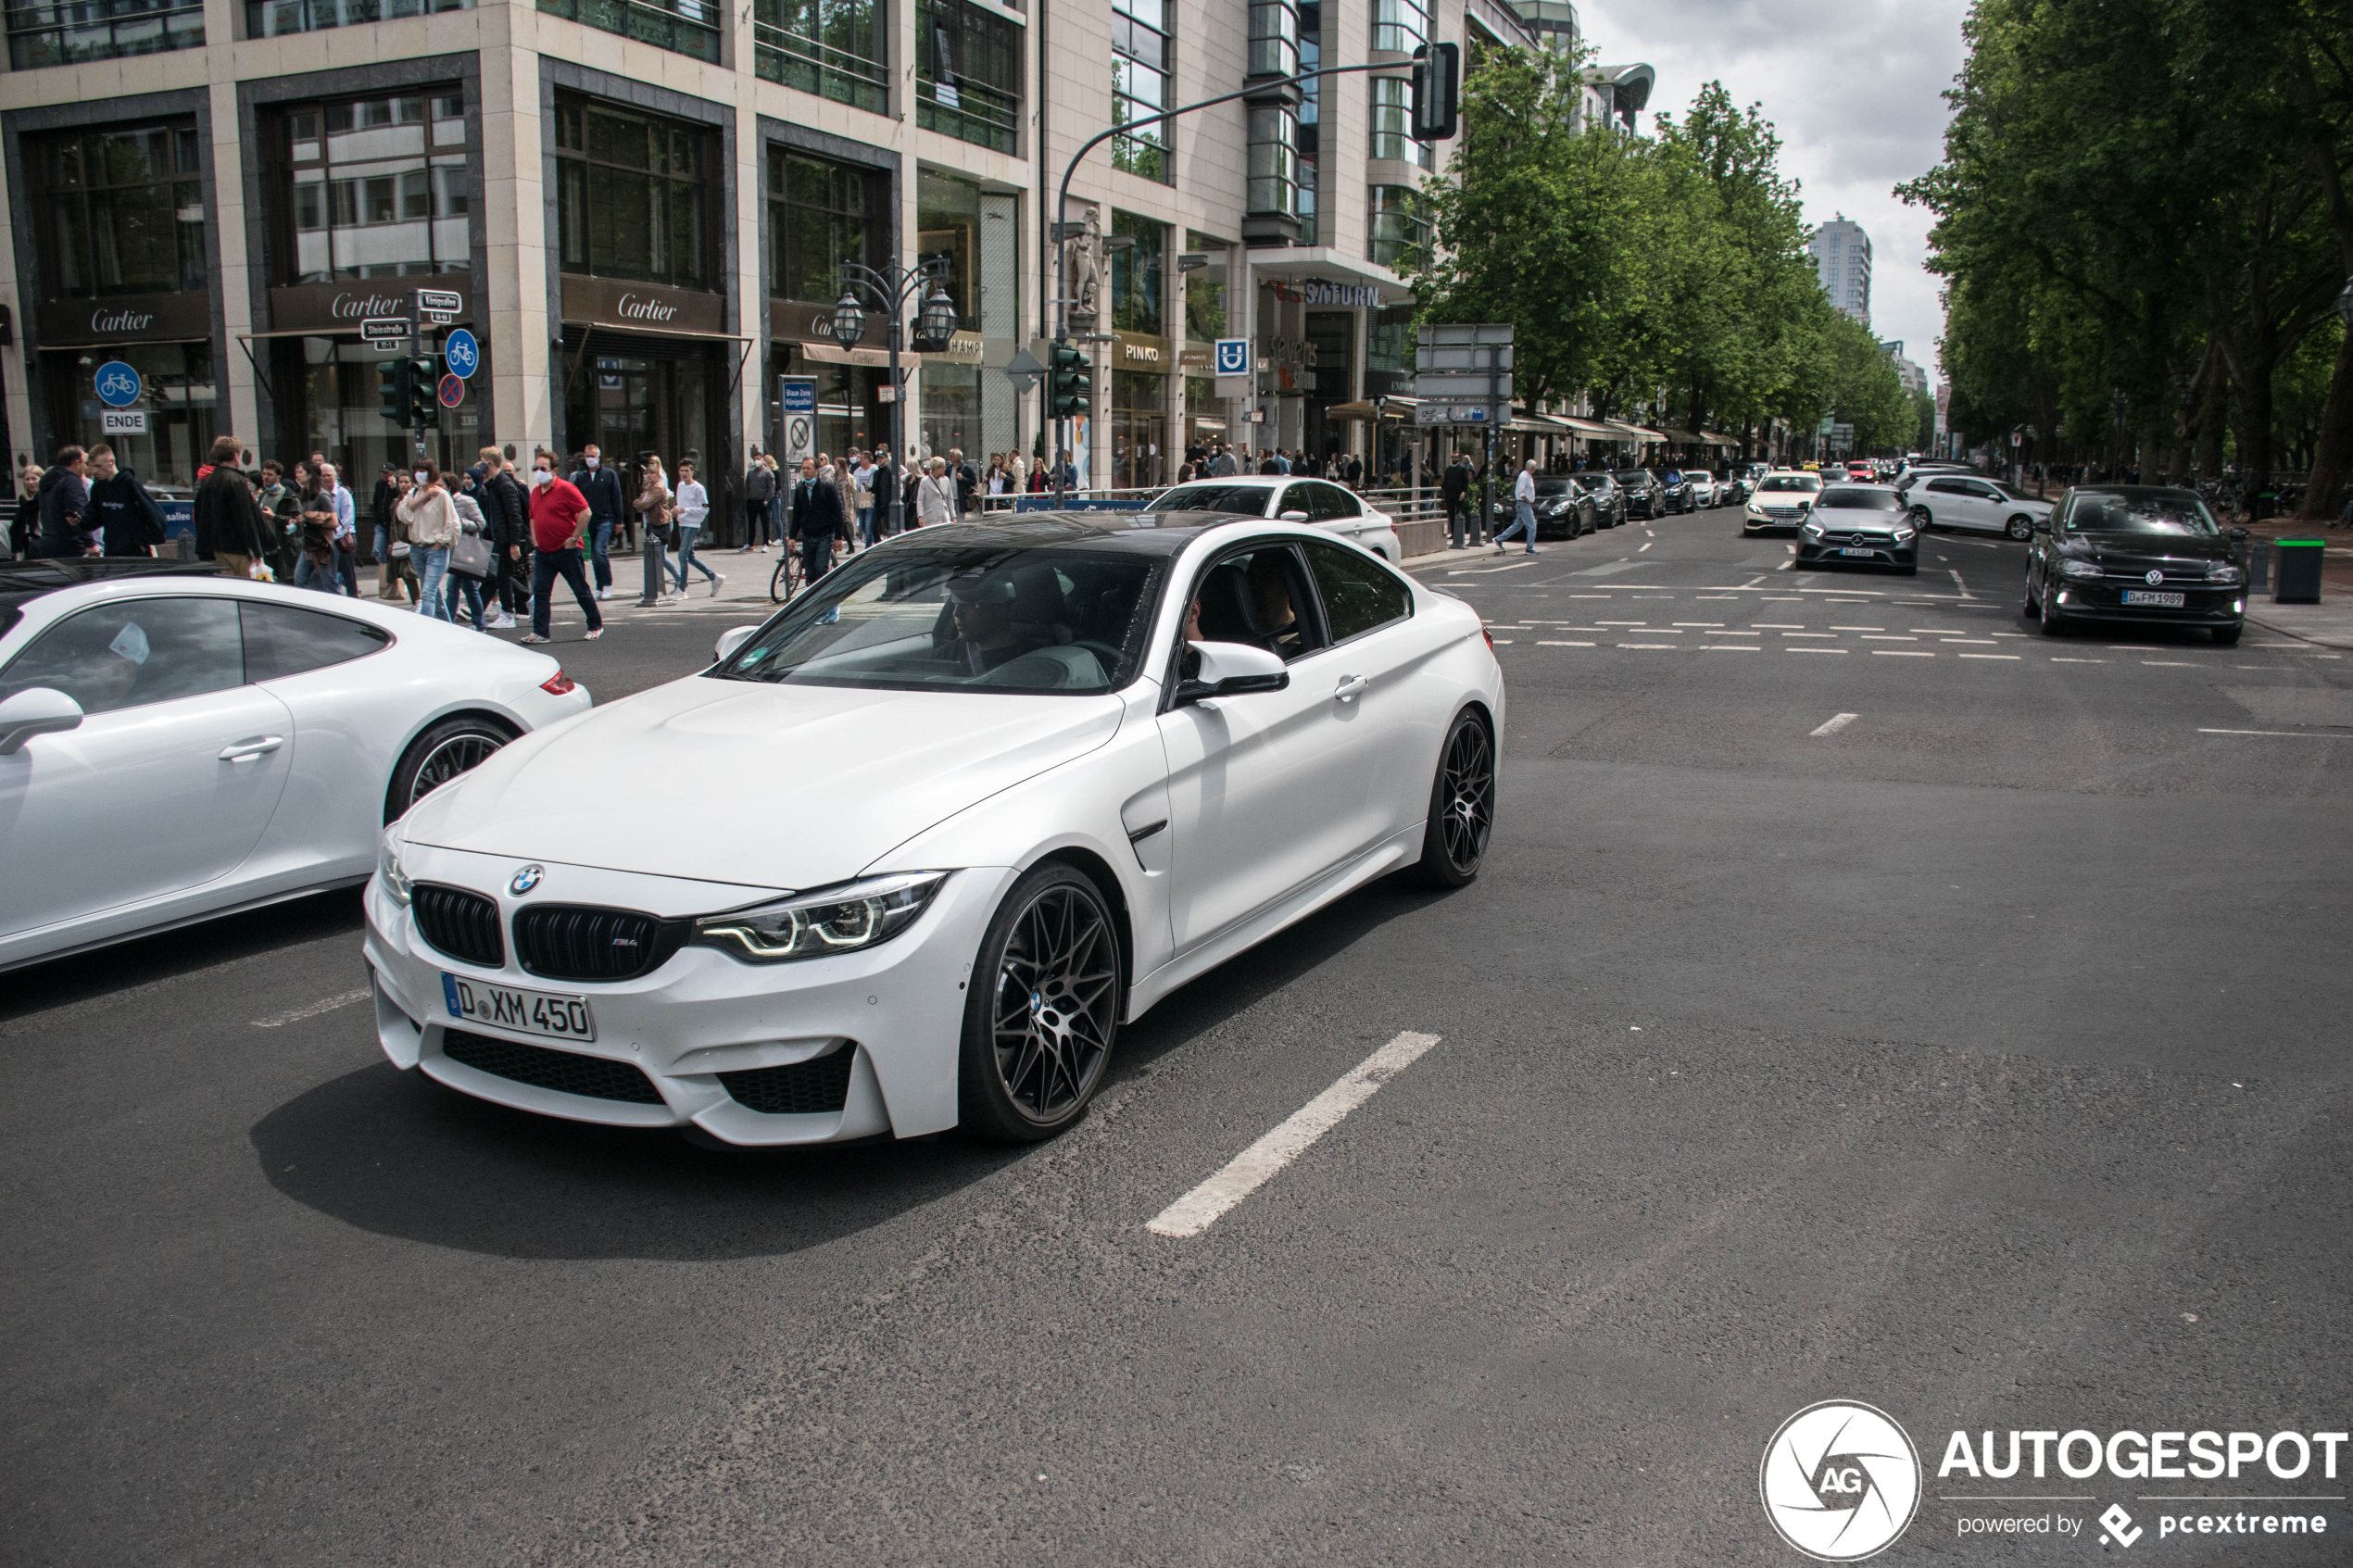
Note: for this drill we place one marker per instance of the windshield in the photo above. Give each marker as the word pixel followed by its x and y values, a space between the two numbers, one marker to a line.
pixel 1248 499
pixel 2011 491
pixel 1863 500
pixel 1597 479
pixel 1552 486
pixel 1643 474
pixel 1792 482
pixel 971 617
pixel 2173 513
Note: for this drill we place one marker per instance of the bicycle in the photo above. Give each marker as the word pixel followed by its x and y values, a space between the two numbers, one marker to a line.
pixel 786 581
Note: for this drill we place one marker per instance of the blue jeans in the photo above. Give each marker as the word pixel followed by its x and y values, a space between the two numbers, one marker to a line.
pixel 686 537
pixel 1523 524
pixel 431 563
pixel 455 583
pixel 384 543
pixel 866 524
pixel 545 567
pixel 308 573
pixel 602 543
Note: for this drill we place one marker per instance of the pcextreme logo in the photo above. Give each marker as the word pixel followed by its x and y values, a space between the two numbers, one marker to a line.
pixel 1840 1481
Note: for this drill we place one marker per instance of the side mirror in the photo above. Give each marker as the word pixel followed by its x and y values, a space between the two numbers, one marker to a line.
pixel 1230 670
pixel 733 638
pixel 2238 533
pixel 1292 516
pixel 36 710
pixel 2042 525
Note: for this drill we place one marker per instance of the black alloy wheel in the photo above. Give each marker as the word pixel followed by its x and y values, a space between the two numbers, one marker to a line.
pixel 447 750
pixel 2020 528
pixel 1044 1010
pixel 1462 805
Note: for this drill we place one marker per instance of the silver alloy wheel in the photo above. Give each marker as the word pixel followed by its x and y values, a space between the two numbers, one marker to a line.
pixel 1056 1002
pixel 1467 790
pixel 459 754
pixel 2020 527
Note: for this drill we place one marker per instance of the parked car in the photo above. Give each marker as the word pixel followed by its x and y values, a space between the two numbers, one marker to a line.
pixel 1706 486
pixel 1858 525
pixel 1644 496
pixel 1675 491
pixel 1984 505
pixel 1783 499
pixel 1316 502
pixel 1071 762
pixel 2145 553
pixel 1609 501
pixel 175 744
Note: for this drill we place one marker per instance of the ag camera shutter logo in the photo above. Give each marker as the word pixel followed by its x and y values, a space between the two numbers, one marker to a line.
pixel 1840 1481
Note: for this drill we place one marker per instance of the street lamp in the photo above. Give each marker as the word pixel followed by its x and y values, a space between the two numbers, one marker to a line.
pixel 892 289
pixel 849 322
pixel 938 321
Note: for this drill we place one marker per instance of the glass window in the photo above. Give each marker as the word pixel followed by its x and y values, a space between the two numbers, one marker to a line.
pixel 1401 25
pixel 684 26
pixel 974 617
pixel 1274 168
pixel 374 188
pixel 132 653
pixel 1257 598
pixel 1393 125
pixel 947 225
pixel 1250 500
pixel 269 19
pixel 833 49
pixel 1137 282
pixel 282 640
pixel 817 220
pixel 632 195
pixel 75 31
pixel 968 73
pixel 123 211
pixel 1311 111
pixel 1274 39
pixel 176 393
pixel 1140 68
pixel 1399 224
pixel 1359 593
pixel 1205 293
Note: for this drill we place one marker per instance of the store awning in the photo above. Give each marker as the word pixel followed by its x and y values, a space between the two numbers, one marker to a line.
pixel 1632 432
pixel 1713 439
pixel 831 354
pixel 1588 427
pixel 1351 411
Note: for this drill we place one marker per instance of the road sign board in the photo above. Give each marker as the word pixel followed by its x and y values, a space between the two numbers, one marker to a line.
pixel 797 396
pixel 452 392
pixel 118 384
pixel 450 300
pixel 1024 370
pixel 383 329
pixel 123 422
pixel 1233 356
pixel 462 353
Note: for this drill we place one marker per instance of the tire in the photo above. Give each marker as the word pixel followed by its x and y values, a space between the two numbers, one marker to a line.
pixel 2031 607
pixel 1462 805
pixel 1909 569
pixel 1924 520
pixel 2054 620
pixel 2228 636
pixel 2020 528
pixel 785 581
pixel 453 746
pixel 1042 1016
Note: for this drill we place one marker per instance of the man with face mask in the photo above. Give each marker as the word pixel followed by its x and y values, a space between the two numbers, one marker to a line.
pixel 561 518
pixel 608 504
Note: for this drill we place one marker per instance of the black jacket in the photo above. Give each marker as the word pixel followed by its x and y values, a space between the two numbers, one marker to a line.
pixel 67 526
pixel 509 508
pixel 128 518
pixel 600 488
pixel 760 483
pixel 815 511
pixel 1457 480
pixel 227 520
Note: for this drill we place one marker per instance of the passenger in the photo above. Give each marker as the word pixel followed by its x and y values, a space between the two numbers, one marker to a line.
pixel 981 608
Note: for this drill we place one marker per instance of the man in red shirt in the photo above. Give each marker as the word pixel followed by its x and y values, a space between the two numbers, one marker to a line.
pixel 559 517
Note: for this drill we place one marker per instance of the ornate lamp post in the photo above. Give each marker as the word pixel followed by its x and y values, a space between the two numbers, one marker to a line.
pixel 892 288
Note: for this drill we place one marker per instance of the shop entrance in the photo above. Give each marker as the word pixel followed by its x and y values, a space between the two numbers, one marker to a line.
pixel 651 401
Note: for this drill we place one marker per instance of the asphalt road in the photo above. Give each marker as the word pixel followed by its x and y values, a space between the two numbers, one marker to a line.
pixel 1980 1057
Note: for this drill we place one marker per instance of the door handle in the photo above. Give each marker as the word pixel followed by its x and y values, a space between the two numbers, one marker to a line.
pixel 1351 686
pixel 246 750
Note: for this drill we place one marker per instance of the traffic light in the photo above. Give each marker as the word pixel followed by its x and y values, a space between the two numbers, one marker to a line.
pixel 392 390
pixel 1070 382
pixel 1438 78
pixel 424 377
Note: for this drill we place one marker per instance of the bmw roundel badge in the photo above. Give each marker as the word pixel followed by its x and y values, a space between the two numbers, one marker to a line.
pixel 525 880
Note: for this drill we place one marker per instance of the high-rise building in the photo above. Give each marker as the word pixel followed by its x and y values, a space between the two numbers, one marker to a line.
pixel 1914 377
pixel 1842 255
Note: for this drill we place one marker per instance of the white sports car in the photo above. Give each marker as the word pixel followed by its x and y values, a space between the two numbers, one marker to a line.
pixel 176 745
pixel 1087 758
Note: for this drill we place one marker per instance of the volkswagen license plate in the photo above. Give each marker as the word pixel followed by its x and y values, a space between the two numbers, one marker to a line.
pixel 2153 599
pixel 526 1012
pixel 1852 550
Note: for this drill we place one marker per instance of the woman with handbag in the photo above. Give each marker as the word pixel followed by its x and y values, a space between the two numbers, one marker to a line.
pixel 470 557
pixel 433 527
pixel 654 512
pixel 315 508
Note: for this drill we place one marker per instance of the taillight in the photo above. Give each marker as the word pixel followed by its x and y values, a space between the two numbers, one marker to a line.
pixel 1490 636
pixel 558 684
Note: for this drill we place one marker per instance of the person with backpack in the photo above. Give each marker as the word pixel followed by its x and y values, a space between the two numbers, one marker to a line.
pixel 130 521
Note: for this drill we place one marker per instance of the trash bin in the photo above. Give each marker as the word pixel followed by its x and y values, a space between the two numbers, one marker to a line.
pixel 2299 571
pixel 2259 565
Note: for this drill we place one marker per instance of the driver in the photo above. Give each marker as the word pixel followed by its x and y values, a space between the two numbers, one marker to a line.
pixel 1270 598
pixel 981 609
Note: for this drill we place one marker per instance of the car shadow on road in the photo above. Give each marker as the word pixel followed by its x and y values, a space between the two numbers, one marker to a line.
pixel 207 943
pixel 395 1154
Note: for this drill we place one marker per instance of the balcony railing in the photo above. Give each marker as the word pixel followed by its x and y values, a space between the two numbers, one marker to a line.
pixel 799 61
pixel 969 111
pixel 100 30
pixel 270 19
pixel 684 26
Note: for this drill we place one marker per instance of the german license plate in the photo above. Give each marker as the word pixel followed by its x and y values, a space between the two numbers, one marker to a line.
pixel 2152 598
pixel 526 1012
pixel 1853 550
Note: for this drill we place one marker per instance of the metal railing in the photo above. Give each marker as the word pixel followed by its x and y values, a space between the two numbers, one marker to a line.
pixel 270 19
pixel 796 60
pixel 100 30
pixel 684 27
pixel 969 111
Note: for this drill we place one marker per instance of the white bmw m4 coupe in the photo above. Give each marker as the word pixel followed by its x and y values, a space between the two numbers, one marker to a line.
pixel 1088 758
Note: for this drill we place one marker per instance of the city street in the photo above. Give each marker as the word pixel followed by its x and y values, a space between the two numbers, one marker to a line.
pixel 1866 997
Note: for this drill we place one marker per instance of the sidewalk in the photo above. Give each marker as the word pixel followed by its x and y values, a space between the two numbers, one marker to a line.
pixel 2330 623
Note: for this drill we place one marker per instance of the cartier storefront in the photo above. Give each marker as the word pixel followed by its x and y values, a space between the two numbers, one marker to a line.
pixel 645 369
pixel 325 381
pixel 162 432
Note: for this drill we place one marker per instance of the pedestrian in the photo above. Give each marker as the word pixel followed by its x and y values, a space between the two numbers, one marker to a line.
pixel 861 478
pixel 347 530
pixel 314 513
pixel 936 497
pixel 837 475
pixel 473 525
pixel 814 521
pixel 600 488
pixel 1523 509
pixel 228 523
pixel 508 505
pixel 694 505
pixel 561 518
pixel 130 523
pixel 760 488
pixel 24 526
pixel 653 509
pixel 967 482
pixel 1016 472
pixel 67 527
pixel 433 527
pixel 1454 492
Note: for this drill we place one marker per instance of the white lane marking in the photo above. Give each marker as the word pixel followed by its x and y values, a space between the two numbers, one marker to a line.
pixel 2011 657
pixel 1780 626
pixel 1729 648
pixel 1902 653
pixel 1814 650
pixel 1735 634
pixel 1643 547
pixel 1860 592
pixel 1971 642
pixel 1501 641
pixel 1715 596
pixel 1823 634
pixel 2056 659
pixel 1835 723
pixel 1551 643
pixel 1858 628
pixel 1250 1170
pixel 1889 638
pixel 1489 570
pixel 2285 735
pixel 2169 664
pixel 1958 584
pixel 330 1005
pixel 2133 647
pixel 1652 644
pixel 1699 623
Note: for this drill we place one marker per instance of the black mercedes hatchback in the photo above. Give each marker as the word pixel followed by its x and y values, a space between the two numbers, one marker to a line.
pixel 2145 553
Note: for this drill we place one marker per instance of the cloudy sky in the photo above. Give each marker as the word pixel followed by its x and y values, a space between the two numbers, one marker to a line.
pixel 1852 86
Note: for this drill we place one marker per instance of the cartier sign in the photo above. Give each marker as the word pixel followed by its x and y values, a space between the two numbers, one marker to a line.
pixel 646 308
pixel 145 318
pixel 331 309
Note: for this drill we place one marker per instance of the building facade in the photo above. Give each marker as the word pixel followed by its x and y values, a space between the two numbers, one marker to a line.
pixel 643 205
pixel 1842 255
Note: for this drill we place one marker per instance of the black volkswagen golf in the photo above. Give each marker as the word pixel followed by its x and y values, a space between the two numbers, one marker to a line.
pixel 2139 553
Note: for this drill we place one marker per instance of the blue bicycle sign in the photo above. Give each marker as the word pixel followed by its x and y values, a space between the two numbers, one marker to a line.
pixel 118 384
pixel 462 352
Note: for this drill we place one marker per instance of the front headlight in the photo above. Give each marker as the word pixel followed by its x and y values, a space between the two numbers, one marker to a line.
pixel 814 925
pixel 1903 535
pixel 1759 509
pixel 2222 571
pixel 389 876
pixel 2082 570
pixel 1812 530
